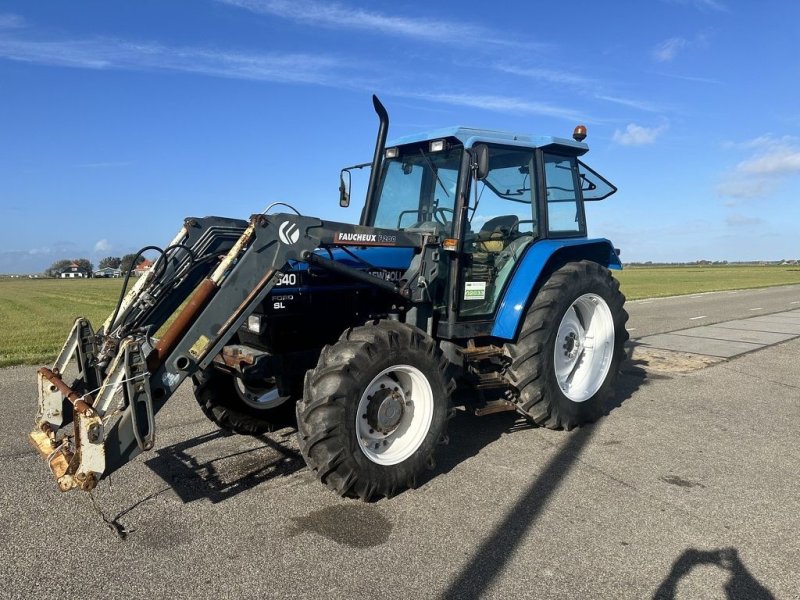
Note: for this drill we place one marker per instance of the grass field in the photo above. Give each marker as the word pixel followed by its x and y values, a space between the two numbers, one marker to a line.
pixel 654 282
pixel 35 315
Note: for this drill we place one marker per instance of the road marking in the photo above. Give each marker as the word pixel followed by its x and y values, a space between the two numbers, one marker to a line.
pixel 695 318
pixel 631 328
pixel 795 302
pixel 759 308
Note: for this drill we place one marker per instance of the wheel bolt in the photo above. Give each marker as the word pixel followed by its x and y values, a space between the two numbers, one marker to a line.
pixel 372 431
pixel 364 416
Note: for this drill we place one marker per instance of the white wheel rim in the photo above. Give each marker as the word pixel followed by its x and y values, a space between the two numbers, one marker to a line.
pixel 394 414
pixel 259 398
pixel 584 347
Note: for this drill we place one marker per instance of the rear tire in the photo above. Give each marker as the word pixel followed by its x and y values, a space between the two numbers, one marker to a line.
pixel 374 410
pixel 217 394
pixel 565 362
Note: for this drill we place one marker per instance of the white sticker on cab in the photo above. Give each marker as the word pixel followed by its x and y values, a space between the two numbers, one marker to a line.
pixel 474 290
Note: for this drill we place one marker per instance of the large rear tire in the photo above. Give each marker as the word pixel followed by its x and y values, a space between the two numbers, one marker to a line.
pixel 374 410
pixel 566 359
pixel 241 409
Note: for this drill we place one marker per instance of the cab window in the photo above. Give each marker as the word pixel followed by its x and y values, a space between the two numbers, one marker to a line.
pixel 564 214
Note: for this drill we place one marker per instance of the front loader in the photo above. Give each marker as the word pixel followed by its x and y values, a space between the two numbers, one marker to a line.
pixel 470 267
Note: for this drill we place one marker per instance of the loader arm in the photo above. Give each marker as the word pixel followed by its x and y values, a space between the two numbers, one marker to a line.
pixel 125 376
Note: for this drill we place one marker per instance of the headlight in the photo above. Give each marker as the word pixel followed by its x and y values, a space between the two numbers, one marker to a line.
pixel 254 323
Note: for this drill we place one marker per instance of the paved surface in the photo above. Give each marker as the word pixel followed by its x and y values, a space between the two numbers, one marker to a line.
pixel 729 338
pixel 689 488
pixel 658 315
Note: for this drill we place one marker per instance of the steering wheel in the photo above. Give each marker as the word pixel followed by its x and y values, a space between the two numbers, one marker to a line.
pixel 444 220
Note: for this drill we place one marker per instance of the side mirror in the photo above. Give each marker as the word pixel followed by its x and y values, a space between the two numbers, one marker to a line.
pixel 344 189
pixel 480 153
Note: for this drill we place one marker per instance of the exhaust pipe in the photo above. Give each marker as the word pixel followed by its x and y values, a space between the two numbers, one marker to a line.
pixel 380 146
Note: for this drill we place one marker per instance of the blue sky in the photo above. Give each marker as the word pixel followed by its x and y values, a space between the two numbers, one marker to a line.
pixel 119 119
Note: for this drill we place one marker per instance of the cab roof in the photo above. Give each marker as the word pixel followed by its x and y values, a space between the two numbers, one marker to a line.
pixel 470 136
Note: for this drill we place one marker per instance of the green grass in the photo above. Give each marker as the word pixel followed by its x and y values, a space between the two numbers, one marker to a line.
pixel 35 315
pixel 654 282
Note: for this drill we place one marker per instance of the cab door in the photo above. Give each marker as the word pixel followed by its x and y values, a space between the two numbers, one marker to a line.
pixel 502 221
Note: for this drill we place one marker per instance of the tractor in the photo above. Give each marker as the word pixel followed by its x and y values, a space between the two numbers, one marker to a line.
pixel 470 269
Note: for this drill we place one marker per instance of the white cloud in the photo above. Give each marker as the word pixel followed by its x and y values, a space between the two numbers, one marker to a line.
pixel 743 188
pixel 772 160
pixel 636 135
pixel 630 103
pixel 693 79
pixel 781 161
pixel 102 246
pixel 104 53
pixel 669 49
pixel 505 104
pixel 549 75
pixel 334 14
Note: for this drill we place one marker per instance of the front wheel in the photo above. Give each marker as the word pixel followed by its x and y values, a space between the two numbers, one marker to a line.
pixel 374 410
pixel 565 361
pixel 239 408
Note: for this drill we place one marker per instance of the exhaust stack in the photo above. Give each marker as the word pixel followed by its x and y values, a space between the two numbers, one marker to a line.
pixel 380 146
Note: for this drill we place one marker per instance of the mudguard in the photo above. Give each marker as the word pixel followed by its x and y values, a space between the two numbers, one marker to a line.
pixel 526 277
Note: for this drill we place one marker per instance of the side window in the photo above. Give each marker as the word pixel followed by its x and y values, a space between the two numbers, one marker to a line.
pixel 502 223
pixel 563 207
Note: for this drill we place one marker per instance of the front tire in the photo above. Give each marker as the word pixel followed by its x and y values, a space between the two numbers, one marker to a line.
pixel 565 362
pixel 374 410
pixel 234 407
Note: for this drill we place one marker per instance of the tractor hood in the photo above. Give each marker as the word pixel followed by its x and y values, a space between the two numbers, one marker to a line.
pixel 386 263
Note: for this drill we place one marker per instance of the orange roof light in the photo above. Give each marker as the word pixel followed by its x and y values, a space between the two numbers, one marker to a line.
pixel 579 134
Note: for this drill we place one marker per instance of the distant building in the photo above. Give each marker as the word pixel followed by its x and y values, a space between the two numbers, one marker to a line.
pixel 74 271
pixel 142 267
pixel 108 272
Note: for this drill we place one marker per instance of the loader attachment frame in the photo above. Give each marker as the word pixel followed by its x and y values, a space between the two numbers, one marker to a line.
pixel 125 376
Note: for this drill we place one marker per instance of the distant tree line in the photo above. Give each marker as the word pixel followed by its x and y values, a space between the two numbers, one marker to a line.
pixel 124 264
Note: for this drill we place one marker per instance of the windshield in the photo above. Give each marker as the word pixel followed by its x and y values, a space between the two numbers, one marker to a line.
pixel 418 190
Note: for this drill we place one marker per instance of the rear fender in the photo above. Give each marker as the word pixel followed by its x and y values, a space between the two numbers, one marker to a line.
pixel 542 258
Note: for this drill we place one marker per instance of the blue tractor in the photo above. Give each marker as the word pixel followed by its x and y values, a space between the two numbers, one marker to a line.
pixel 470 268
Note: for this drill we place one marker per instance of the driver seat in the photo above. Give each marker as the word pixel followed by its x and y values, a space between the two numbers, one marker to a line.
pixel 495 233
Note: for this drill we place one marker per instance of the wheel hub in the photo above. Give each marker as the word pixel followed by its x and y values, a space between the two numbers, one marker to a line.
pixel 584 348
pixel 385 409
pixel 572 345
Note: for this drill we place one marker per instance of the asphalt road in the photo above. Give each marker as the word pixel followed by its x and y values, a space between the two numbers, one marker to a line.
pixel 689 488
pixel 660 315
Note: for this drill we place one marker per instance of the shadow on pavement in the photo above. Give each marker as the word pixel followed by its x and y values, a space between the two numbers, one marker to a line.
pixel 218 466
pixel 741 585
pixel 496 550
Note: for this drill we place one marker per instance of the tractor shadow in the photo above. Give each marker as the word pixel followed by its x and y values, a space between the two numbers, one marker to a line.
pixel 491 557
pixel 469 434
pixel 219 465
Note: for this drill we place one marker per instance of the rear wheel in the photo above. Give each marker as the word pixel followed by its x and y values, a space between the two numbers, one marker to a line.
pixel 565 361
pixel 239 408
pixel 374 410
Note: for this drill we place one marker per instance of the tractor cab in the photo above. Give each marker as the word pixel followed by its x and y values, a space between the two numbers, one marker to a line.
pixel 489 195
